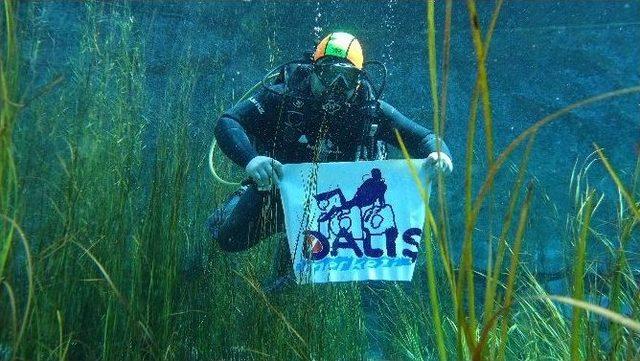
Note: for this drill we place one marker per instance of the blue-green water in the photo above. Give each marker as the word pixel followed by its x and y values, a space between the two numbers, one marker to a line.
pixel 544 55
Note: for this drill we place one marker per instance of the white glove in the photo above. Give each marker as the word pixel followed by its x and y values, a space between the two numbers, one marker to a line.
pixel 441 161
pixel 264 171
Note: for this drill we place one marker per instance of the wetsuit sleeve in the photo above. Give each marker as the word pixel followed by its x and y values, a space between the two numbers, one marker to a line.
pixel 253 117
pixel 419 140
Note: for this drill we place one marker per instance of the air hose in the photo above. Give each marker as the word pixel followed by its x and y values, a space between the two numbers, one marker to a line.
pixel 212 148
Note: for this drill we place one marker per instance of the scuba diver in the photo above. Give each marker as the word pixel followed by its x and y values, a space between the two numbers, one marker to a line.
pixel 322 109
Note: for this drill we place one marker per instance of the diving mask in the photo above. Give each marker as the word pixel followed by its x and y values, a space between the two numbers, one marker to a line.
pixel 338 75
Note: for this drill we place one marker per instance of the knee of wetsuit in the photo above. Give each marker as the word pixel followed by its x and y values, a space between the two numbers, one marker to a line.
pixel 223 231
pixel 216 221
pixel 232 225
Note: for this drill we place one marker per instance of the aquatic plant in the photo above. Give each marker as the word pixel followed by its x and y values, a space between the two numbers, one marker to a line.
pixel 8 116
pixel 20 304
pixel 491 338
pixel 101 253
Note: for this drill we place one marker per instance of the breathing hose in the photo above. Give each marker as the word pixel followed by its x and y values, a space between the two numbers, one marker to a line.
pixel 212 148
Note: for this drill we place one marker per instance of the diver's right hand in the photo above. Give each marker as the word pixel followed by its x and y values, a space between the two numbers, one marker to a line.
pixel 264 171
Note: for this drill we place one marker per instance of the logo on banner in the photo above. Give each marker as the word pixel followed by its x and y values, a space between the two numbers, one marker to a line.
pixel 362 226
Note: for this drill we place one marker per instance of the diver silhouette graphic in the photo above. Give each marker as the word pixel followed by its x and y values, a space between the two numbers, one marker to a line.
pixel 358 218
pixel 344 221
pixel 371 190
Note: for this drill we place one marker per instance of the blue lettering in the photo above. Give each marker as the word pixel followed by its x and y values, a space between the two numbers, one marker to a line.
pixel 358 264
pixel 348 243
pixel 344 265
pixel 390 235
pixel 371 263
pixel 366 245
pixel 407 237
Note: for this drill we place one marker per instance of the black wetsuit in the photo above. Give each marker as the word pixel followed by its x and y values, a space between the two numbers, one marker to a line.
pixel 297 129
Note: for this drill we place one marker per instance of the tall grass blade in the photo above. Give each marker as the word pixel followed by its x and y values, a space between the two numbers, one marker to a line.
pixel 513 269
pixel 624 321
pixel 433 290
pixel 578 277
pixel 14 309
pixel 104 272
pixel 433 72
pixel 621 188
pixel 493 275
pixel 480 91
pixel 446 54
pixel 482 76
pixel 502 157
pixel 273 309
pixel 9 88
pixel 30 286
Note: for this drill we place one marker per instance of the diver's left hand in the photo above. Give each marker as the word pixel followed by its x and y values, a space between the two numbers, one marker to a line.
pixel 441 161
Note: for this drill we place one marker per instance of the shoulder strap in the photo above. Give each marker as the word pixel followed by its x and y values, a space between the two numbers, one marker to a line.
pixel 369 146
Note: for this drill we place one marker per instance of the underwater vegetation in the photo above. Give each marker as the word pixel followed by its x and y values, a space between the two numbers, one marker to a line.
pixel 103 200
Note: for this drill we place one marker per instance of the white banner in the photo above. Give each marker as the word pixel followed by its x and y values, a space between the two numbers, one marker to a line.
pixel 353 221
